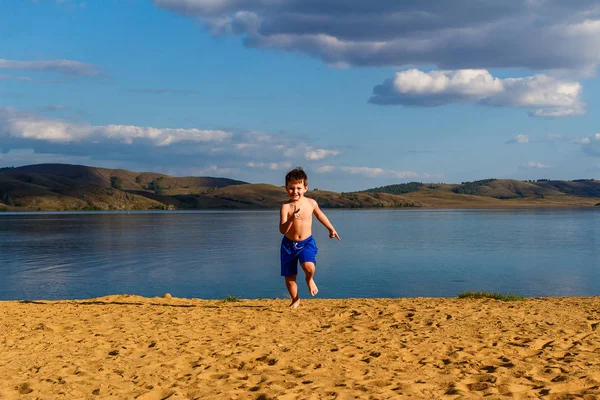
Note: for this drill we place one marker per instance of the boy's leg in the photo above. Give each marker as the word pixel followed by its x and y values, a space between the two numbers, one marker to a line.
pixel 292 287
pixel 309 269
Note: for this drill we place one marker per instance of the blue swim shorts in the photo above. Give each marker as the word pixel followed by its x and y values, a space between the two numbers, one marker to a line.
pixel 292 252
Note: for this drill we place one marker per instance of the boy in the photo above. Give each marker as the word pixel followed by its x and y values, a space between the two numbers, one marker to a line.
pixel 295 223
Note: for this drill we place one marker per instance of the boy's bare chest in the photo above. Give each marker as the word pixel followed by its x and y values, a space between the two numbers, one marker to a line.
pixel 305 215
pixel 305 212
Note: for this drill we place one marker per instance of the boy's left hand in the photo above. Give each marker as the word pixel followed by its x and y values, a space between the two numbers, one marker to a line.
pixel 333 234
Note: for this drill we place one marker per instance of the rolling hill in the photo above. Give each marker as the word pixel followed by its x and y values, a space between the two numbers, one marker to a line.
pixel 62 187
pixel 499 193
pixel 78 187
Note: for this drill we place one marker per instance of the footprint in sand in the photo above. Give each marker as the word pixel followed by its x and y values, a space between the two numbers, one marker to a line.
pixel 478 386
pixel 24 388
pixel 156 394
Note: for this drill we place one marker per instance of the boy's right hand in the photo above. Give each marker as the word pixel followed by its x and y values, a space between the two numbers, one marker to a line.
pixel 296 213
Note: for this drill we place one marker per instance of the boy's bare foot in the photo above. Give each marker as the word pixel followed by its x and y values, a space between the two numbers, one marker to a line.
pixel 295 303
pixel 312 287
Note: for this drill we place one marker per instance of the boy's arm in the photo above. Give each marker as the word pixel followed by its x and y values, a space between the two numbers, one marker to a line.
pixel 285 223
pixel 324 220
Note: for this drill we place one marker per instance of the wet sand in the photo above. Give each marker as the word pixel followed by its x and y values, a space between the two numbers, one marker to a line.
pixel 156 348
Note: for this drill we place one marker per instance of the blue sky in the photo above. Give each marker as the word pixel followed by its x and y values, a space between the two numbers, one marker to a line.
pixel 360 94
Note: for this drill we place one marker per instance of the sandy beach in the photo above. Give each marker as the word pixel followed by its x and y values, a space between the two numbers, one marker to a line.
pixel 157 348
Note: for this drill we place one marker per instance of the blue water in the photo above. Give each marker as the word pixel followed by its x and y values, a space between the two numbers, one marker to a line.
pixel 383 253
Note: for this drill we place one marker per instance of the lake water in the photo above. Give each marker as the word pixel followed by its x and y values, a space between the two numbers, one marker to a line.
pixel 383 253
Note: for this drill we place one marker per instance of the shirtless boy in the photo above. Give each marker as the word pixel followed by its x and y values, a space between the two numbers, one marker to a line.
pixel 298 245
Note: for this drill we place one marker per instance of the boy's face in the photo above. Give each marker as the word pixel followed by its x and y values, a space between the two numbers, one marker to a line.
pixel 295 190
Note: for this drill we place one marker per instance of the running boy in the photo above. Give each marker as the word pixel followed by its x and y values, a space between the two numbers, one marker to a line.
pixel 295 223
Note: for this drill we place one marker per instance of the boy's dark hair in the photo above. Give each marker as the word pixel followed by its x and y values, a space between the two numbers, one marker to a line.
pixel 295 175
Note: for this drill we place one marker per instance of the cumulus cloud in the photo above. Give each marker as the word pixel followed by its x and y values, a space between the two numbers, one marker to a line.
pixel 543 95
pixel 139 145
pixel 66 67
pixel 369 172
pixel 17 124
pixel 539 35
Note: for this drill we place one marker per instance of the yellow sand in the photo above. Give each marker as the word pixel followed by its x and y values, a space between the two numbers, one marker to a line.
pixel 155 348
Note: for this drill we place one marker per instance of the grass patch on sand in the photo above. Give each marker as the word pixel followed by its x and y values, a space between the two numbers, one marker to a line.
pixel 488 295
pixel 231 299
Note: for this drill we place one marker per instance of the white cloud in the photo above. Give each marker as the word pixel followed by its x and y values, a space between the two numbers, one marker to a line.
pixel 403 174
pixel 319 154
pixel 521 139
pixel 270 165
pixel 258 137
pixel 159 136
pixel 369 172
pixel 551 137
pixel 466 83
pixel 17 124
pixel 533 164
pixel 259 145
pixel 365 171
pixel 46 129
pixel 543 95
pixel 591 144
pixel 180 147
pixel 67 67
pixel 533 34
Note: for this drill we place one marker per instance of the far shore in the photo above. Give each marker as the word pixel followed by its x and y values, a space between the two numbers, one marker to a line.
pixel 125 346
pixel 494 206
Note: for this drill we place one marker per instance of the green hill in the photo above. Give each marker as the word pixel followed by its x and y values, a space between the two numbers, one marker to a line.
pixel 501 193
pixel 400 188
